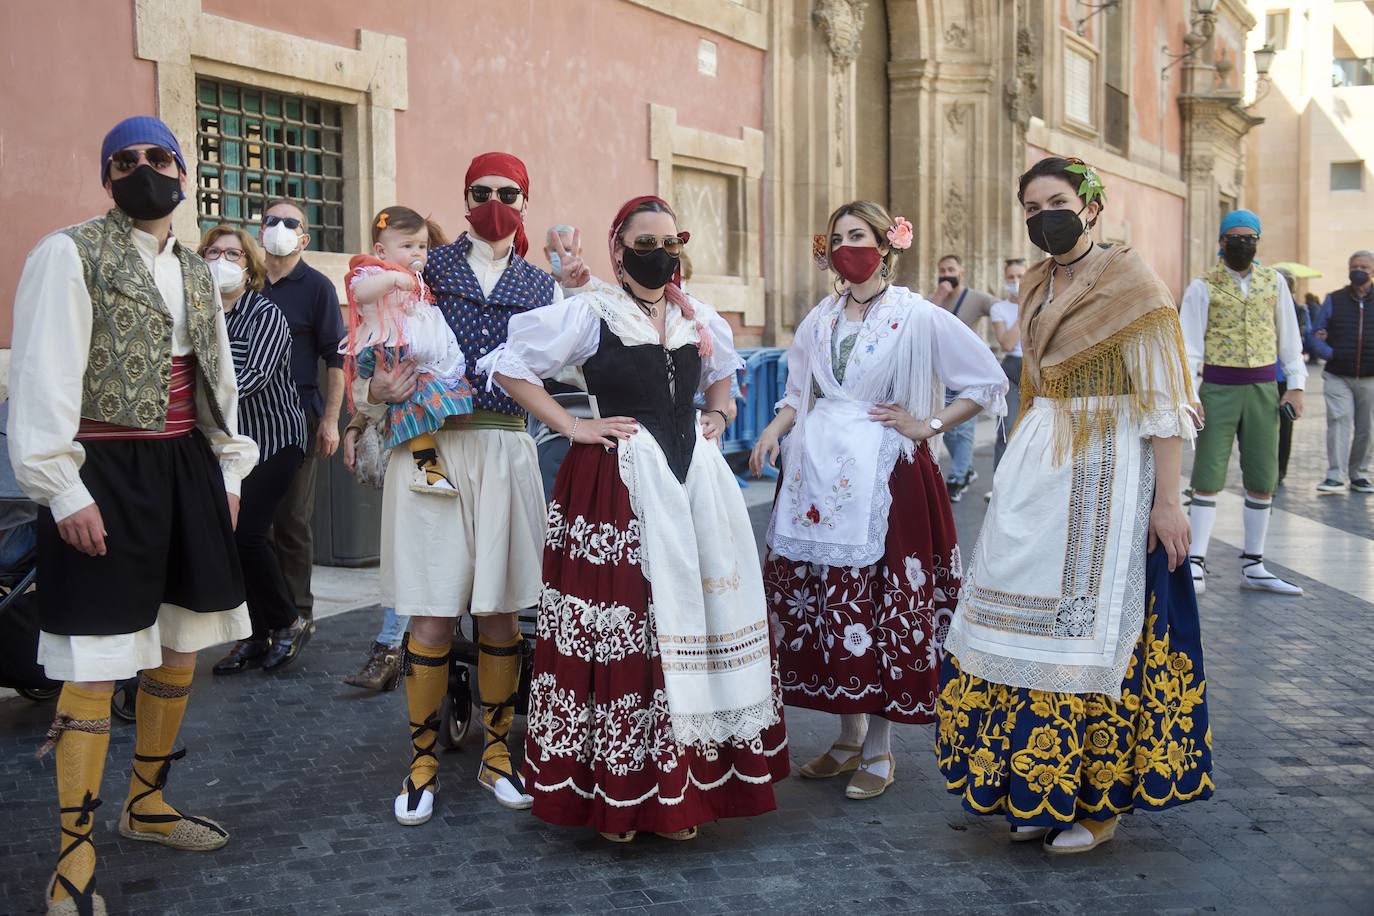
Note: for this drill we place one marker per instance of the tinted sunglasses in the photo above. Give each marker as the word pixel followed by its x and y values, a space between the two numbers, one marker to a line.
pixel 644 244
pixel 126 160
pixel 290 221
pixel 509 194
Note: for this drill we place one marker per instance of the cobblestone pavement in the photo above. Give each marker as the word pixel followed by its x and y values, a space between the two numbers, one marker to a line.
pixel 302 770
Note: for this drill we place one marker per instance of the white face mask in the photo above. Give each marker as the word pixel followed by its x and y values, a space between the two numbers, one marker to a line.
pixel 279 240
pixel 228 275
pixel 1013 287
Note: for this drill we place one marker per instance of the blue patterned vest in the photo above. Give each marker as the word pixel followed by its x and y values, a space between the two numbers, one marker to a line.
pixel 481 323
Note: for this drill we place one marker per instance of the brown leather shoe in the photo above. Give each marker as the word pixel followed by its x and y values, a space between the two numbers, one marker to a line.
pixel 826 766
pixel 381 671
pixel 864 784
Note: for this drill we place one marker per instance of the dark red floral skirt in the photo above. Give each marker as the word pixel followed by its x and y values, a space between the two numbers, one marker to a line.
pixel 869 639
pixel 599 749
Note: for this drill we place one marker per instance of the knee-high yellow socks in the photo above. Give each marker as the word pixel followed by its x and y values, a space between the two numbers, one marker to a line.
pixel 498 680
pixel 82 743
pixel 162 696
pixel 426 684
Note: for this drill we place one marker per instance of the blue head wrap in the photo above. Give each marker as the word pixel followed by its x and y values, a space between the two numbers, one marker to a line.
pixel 1237 218
pixel 138 129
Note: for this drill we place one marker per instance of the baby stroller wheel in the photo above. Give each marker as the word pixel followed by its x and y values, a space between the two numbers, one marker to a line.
pixel 122 704
pixel 455 712
pixel 38 694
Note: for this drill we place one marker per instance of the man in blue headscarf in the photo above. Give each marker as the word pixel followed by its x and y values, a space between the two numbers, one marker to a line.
pixel 124 429
pixel 1238 323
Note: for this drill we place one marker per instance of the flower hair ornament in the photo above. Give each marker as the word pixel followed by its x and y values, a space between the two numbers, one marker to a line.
pixel 901 234
pixel 1091 187
pixel 818 252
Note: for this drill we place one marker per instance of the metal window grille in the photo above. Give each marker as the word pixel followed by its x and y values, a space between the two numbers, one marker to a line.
pixel 255 145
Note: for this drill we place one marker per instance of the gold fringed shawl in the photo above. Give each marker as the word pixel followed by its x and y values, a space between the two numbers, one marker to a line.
pixel 1076 347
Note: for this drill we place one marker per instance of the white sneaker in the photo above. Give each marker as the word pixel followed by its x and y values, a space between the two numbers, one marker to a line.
pixel 1256 578
pixel 424 805
pixel 1199 569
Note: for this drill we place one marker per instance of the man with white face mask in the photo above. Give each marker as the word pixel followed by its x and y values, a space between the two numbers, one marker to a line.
pixel 311 305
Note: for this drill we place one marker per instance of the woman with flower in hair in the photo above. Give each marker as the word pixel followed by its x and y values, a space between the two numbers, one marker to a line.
pixel 653 705
pixel 862 571
pixel 1072 689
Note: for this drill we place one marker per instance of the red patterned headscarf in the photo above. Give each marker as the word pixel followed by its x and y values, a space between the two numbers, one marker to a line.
pixel 507 166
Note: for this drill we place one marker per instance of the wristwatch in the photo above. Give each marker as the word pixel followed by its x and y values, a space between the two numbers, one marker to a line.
pixel 936 424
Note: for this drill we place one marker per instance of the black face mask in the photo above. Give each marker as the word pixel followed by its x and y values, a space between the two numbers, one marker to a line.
pixel 1238 251
pixel 146 193
pixel 952 281
pixel 1055 231
pixel 1359 277
pixel 652 270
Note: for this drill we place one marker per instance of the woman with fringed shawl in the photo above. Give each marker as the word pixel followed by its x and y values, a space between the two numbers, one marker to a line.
pixel 1073 687
pixel 654 704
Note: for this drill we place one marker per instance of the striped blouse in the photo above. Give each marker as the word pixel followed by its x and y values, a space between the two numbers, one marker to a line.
pixel 269 407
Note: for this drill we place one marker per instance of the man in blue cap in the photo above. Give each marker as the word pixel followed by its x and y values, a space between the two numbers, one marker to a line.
pixel 124 429
pixel 1238 322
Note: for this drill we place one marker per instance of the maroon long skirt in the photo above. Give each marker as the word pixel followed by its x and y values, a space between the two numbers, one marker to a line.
pixel 869 639
pixel 599 748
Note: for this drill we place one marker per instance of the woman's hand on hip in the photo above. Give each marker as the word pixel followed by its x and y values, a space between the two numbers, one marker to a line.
pixel 894 416
pixel 605 432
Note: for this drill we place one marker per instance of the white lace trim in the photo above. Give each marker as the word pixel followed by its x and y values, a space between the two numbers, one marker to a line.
pixel 842 554
pixel 1078 679
pixel 724 726
pixel 1167 423
pixel 992 398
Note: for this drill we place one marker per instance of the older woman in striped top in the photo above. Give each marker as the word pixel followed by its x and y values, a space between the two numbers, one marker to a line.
pixel 270 414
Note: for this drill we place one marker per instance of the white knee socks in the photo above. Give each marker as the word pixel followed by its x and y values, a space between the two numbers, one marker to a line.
pixel 1256 523
pixel 852 731
pixel 877 744
pixel 1202 515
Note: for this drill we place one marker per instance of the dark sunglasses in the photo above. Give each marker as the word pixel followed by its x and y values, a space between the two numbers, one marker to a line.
pixel 509 194
pixel 290 221
pixel 647 243
pixel 126 160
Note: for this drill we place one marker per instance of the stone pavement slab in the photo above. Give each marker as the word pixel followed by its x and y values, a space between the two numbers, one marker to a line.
pixel 302 770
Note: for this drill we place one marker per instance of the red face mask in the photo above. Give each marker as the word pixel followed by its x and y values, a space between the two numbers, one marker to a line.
pixel 856 264
pixel 494 221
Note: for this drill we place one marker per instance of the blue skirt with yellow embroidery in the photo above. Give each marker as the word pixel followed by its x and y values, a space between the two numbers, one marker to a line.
pixel 1049 759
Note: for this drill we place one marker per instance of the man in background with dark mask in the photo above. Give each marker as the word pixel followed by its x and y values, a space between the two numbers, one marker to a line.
pixel 124 429
pixel 970 306
pixel 1343 335
pixel 1238 323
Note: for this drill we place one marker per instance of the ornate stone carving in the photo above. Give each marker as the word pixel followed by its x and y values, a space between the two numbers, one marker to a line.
pixel 842 23
pixel 1024 83
pixel 956 36
pixel 956 114
pixel 952 217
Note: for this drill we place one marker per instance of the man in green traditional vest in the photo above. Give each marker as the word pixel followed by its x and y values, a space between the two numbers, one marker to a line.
pixel 124 429
pixel 1238 324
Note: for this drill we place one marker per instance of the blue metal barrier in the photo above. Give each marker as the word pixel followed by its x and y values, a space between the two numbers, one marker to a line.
pixel 762 383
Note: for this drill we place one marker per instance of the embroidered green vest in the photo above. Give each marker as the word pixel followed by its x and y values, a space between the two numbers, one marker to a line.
pixel 129 373
pixel 1240 329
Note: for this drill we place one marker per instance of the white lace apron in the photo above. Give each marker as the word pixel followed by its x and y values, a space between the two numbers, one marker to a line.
pixel 833 504
pixel 1054 597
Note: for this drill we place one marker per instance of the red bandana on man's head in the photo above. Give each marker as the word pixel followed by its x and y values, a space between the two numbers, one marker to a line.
pixel 507 166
